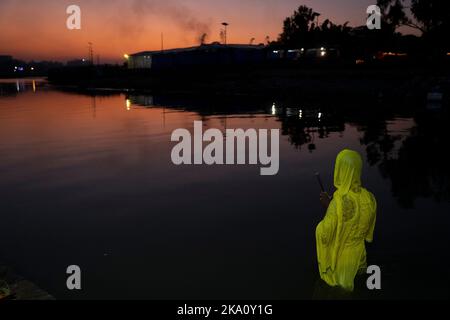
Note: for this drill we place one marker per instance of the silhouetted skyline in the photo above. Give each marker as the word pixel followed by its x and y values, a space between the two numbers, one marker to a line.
pixel 37 29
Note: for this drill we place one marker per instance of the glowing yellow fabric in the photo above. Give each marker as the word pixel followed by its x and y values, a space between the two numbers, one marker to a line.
pixel 349 221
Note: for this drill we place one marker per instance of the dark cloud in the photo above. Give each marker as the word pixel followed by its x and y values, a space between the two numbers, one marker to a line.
pixel 179 14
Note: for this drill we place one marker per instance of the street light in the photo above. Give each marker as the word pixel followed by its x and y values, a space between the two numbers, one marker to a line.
pixel 225 24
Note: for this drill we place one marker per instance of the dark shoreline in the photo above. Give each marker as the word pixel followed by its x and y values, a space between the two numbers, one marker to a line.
pixel 276 81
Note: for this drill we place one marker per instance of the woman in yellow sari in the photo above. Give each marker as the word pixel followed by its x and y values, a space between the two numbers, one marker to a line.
pixel 349 222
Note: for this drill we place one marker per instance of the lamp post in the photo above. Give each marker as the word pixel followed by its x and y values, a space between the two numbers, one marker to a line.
pixel 225 24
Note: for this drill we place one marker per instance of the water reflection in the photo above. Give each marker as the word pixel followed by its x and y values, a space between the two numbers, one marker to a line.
pixel 415 161
pixel 84 174
pixel 12 87
pixel 398 142
pixel 397 147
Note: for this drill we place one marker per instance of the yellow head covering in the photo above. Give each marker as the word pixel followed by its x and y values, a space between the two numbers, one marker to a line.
pixel 347 172
pixel 347 180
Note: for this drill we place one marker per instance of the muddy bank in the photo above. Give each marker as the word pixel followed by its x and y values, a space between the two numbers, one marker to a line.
pixel 15 287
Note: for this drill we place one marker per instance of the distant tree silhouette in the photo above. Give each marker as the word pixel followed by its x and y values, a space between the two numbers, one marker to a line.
pixel 431 17
pixel 302 30
pixel 393 14
pixel 298 28
pixel 428 16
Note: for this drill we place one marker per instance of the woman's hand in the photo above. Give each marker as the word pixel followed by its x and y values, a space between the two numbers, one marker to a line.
pixel 325 199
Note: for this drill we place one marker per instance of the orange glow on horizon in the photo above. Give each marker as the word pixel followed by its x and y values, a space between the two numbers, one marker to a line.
pixel 37 29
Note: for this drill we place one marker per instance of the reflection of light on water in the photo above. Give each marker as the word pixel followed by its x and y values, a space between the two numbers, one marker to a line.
pixel 300 114
pixel 274 110
pixel 319 116
pixel 291 112
pixel 128 104
pixel 17 86
pixel 34 86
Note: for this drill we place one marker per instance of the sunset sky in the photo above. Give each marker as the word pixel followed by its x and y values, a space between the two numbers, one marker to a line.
pixel 32 29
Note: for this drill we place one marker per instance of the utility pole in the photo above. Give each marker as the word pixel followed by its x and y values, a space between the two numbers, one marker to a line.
pixel 162 41
pixel 90 53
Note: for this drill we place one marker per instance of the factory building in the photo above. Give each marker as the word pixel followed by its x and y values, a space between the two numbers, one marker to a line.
pixel 204 55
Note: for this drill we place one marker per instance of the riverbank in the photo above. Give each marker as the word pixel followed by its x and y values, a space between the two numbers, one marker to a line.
pixel 19 288
pixel 275 80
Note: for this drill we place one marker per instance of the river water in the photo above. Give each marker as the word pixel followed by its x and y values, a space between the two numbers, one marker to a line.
pixel 86 179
